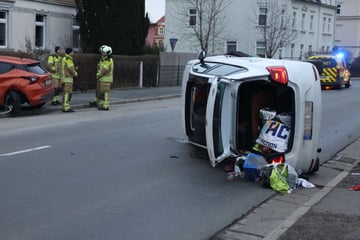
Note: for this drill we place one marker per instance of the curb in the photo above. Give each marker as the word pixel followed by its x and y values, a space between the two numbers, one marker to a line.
pixel 270 219
pixel 81 106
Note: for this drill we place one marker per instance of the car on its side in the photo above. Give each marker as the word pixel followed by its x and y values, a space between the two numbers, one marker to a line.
pixel 335 73
pixel 23 81
pixel 225 99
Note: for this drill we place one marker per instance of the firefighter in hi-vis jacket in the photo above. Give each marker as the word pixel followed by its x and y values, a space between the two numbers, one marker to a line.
pixel 104 77
pixel 54 65
pixel 69 72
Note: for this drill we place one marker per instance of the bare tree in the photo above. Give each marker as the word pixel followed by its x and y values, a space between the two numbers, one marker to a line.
pixel 276 26
pixel 205 19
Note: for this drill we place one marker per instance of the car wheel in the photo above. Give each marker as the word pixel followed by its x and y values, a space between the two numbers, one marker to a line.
pixel 316 166
pixel 348 84
pixel 12 103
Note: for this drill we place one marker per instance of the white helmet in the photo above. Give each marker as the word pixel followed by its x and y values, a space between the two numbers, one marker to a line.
pixel 106 49
pixel 102 46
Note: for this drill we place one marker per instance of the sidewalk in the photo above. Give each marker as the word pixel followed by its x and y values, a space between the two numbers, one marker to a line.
pixel 120 96
pixel 330 211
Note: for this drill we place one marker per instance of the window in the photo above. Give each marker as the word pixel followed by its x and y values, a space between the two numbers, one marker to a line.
pixel 161 31
pixel 5 67
pixel 324 24
pixel 301 51
pixel 293 24
pixel 231 46
pixel 262 16
pixel 40 31
pixel 311 23
pixel 292 49
pixel 192 17
pixel 3 28
pixel 75 34
pixel 329 25
pixel 303 22
pixel 260 49
pixel 338 9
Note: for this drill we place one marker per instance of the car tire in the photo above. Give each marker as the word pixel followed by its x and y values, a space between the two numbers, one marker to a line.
pixel 348 84
pixel 13 101
pixel 316 166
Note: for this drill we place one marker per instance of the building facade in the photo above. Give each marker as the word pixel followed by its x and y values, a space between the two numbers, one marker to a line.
pixel 38 25
pixel 347 30
pixel 313 20
pixel 156 34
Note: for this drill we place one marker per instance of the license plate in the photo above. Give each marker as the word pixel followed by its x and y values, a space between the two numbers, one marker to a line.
pixel 48 82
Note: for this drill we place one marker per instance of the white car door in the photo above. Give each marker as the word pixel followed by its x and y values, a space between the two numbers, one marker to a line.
pixel 218 121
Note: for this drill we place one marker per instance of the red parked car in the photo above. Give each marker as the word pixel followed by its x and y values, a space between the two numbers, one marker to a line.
pixel 23 81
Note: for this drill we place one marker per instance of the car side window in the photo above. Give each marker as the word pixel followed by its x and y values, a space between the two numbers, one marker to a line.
pixel 5 67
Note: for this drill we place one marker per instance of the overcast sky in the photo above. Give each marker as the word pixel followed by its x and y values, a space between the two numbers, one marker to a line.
pixel 155 9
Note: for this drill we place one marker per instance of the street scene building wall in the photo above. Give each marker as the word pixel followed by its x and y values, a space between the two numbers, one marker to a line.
pixel 36 25
pixel 314 21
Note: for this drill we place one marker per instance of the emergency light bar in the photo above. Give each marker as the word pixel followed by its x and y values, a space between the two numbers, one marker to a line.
pixel 278 74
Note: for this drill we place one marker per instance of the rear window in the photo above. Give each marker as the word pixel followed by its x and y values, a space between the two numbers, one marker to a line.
pixel 328 62
pixel 217 69
pixel 33 68
pixel 36 68
pixel 5 67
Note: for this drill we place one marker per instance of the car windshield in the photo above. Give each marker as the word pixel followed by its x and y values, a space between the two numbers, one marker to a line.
pixel 36 68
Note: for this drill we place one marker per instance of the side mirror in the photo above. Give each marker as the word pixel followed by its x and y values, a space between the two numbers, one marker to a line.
pixel 201 56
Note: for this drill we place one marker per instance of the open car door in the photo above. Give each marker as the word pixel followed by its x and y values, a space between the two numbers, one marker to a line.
pixel 218 124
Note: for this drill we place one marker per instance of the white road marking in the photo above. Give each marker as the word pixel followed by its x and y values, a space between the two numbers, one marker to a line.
pixel 24 151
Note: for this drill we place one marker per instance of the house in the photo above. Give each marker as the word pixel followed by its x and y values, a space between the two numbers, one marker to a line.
pixel 38 25
pixel 242 23
pixel 348 26
pixel 156 34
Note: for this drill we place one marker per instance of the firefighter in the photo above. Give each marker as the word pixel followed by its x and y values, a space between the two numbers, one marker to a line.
pixel 104 77
pixel 69 73
pixel 54 65
pixel 95 103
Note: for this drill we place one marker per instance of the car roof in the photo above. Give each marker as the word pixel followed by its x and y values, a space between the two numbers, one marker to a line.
pixel 322 56
pixel 17 60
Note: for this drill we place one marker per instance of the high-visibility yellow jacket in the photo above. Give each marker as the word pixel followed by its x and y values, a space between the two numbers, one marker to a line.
pixel 68 69
pixel 105 69
pixel 54 64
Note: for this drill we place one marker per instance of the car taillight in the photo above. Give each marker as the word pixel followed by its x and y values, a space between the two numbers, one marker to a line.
pixel 277 159
pixel 32 79
pixel 308 119
pixel 278 74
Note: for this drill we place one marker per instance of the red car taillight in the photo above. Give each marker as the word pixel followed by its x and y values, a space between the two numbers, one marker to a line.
pixel 278 74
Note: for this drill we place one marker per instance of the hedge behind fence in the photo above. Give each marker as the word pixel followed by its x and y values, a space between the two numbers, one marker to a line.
pixel 126 69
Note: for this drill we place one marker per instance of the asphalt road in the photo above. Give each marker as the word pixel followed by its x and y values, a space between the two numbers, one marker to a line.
pixel 127 173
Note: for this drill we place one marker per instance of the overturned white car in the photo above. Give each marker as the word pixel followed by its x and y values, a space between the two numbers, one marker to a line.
pixel 227 99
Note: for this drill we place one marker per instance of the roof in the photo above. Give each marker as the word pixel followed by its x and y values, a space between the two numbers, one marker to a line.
pixel 58 2
pixel 17 60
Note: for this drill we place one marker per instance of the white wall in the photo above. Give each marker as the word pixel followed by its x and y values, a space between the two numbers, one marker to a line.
pixel 21 24
pixel 347 31
pixel 240 27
